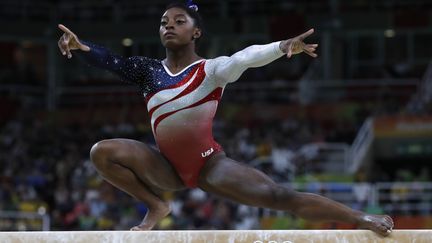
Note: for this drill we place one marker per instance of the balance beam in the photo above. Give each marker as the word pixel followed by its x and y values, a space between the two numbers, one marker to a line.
pixel 223 236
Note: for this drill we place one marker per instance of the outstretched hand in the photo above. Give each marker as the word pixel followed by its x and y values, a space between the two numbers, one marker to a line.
pixel 296 45
pixel 69 41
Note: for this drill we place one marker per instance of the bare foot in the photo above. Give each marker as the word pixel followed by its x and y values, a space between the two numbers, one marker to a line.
pixel 380 224
pixel 153 216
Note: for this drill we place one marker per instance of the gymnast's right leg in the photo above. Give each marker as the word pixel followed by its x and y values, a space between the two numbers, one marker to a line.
pixel 140 171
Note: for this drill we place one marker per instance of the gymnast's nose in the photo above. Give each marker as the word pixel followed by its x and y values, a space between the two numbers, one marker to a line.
pixel 169 25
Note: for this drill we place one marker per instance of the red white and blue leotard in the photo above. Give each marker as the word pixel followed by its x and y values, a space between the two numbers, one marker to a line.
pixel 182 106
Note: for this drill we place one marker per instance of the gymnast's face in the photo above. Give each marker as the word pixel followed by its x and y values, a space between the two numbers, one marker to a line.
pixel 177 29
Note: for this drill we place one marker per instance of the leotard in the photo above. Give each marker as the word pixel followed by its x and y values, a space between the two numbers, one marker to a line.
pixel 182 105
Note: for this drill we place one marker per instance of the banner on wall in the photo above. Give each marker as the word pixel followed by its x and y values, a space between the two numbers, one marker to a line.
pixel 403 127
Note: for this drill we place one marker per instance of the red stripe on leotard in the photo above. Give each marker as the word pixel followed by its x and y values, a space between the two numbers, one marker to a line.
pixel 192 86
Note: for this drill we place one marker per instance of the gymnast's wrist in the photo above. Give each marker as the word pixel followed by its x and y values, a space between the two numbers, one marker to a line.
pixel 283 46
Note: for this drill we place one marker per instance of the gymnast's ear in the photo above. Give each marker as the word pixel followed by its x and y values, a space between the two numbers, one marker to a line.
pixel 197 34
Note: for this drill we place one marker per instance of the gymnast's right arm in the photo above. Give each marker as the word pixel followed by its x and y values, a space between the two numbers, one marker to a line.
pixel 132 68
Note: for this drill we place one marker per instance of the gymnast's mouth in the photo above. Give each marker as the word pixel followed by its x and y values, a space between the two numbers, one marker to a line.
pixel 169 34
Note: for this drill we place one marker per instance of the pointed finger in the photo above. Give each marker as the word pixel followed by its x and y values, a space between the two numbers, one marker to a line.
pixel 312 45
pixel 312 54
pixel 65 29
pixel 306 34
pixel 309 49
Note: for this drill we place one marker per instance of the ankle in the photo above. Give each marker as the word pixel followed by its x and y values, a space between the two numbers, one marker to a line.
pixel 359 218
pixel 160 207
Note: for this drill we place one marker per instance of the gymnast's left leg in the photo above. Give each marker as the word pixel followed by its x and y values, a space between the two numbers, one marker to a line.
pixel 239 182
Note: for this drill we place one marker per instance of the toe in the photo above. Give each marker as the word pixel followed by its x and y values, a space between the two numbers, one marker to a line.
pixel 385 230
pixel 389 223
pixel 390 220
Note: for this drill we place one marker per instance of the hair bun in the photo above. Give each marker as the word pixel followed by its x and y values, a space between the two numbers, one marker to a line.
pixel 192 6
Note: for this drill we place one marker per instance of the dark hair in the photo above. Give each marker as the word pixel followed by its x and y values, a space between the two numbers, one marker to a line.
pixel 198 22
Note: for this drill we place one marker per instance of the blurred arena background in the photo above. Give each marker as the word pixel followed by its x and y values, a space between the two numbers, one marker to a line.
pixel 354 124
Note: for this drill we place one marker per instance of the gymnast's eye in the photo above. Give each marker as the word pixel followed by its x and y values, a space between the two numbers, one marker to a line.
pixel 180 21
pixel 163 22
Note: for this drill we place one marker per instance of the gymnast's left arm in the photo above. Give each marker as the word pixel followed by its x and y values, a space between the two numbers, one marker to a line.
pixel 229 69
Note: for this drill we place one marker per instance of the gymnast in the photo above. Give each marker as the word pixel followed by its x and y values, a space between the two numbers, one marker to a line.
pixel 182 93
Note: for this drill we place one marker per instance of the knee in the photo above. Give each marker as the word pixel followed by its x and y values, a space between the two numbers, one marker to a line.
pixel 212 181
pixel 216 179
pixel 101 153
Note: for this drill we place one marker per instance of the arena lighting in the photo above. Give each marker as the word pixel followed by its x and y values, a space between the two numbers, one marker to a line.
pixel 127 41
pixel 389 33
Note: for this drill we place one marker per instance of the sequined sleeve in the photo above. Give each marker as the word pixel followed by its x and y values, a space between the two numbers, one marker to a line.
pixel 133 69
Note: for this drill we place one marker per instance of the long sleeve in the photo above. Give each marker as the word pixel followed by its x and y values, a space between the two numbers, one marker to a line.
pixel 133 69
pixel 228 69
